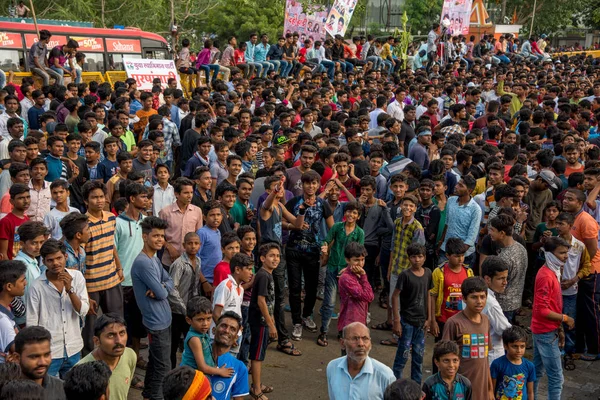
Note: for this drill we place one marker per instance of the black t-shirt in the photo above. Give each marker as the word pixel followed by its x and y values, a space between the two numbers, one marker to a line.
pixel 263 286
pixel 489 248
pixel 361 168
pixel 414 291
pixel 407 133
pixel 75 189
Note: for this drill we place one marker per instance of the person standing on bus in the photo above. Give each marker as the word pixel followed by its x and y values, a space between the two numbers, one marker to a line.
pixel 38 60
pixel 62 60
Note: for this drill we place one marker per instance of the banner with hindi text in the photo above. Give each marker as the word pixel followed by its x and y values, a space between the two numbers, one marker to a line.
pixel 144 71
pixel 309 25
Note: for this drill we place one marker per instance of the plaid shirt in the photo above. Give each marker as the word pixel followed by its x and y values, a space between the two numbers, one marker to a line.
pixel 171 137
pixel 402 237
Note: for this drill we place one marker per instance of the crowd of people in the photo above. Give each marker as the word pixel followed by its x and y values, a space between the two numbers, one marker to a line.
pixel 457 196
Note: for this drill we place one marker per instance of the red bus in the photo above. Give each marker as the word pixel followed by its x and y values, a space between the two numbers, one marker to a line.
pixel 104 48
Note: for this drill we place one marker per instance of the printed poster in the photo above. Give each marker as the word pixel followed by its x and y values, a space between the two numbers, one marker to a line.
pixel 145 70
pixel 309 25
pixel 456 14
pixel 339 17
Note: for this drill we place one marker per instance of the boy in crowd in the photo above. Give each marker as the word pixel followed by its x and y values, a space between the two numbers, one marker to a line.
pixel 12 285
pixel 109 166
pixel 410 310
pixel 428 214
pixel 470 329
pixel 338 237
pixel 59 190
pixel 260 316
pixel 125 161
pixel 76 233
pixel 446 356
pixel 512 374
pixel 196 345
pixel 33 235
pixel 356 292
pixel 446 297
pixel 345 173
pixel 10 243
pixel 230 246
pixel 495 272
pixel 210 239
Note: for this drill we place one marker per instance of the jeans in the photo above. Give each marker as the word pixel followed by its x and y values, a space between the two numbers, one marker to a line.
pixel 60 366
pixel 384 263
pixel 302 264
pixel 286 68
pixel 266 67
pixel 331 286
pixel 159 350
pixel 570 308
pixel 257 66
pixel 371 267
pixel 61 73
pixel 546 356
pixel 46 73
pixel 587 325
pixel 179 326
pixel 377 62
pixel 245 344
pixel 389 65
pixel 210 67
pixel 330 66
pixel 278 310
pixel 412 336
pixel 503 59
pixel 110 301
pixel 346 66
pixel 275 64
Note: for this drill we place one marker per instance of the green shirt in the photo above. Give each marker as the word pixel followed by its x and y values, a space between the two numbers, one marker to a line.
pixel 337 241
pixel 122 375
pixel 238 213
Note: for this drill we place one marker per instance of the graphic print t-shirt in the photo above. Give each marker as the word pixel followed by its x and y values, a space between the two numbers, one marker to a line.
pixel 452 302
pixel 511 379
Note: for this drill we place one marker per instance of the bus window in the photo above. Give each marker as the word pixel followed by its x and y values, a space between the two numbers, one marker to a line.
pixel 11 60
pixel 116 61
pixel 94 62
pixel 156 54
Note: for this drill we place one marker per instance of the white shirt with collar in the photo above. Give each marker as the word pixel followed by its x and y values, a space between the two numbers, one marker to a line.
pixel 395 109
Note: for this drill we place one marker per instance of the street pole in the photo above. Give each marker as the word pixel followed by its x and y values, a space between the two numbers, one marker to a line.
pixel 532 17
pixel 34 18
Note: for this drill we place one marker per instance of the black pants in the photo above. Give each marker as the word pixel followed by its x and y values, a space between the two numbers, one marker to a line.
pixel 109 301
pixel 298 264
pixel 533 266
pixel 371 267
pixel 587 323
pixel 278 312
pixel 179 327
pixel 431 58
pixel 159 348
pixel 437 339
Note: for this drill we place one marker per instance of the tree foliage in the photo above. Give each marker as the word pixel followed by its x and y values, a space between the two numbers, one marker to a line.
pixel 422 13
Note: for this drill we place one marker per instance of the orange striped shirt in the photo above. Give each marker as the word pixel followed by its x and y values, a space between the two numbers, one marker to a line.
pixel 101 270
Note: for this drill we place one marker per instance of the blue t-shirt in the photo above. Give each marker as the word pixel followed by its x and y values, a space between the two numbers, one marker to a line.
pixel 511 379
pixel 55 167
pixel 210 251
pixel 234 386
pixel 107 169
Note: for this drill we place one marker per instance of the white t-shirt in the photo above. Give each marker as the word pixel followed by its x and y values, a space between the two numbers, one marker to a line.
pixel 229 296
pixel 7 334
pixel 52 221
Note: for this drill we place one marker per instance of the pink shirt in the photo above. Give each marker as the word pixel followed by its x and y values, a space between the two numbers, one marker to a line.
pixel 40 202
pixel 180 223
pixel 355 296
pixel 203 57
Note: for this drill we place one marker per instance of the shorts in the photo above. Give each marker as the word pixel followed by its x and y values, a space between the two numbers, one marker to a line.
pixel 258 342
pixel 133 315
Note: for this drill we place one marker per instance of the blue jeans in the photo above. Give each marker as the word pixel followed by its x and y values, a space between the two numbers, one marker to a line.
pixel 377 62
pixel 330 66
pixel 159 363
pixel 257 67
pixel 210 67
pixel 60 366
pixel 346 66
pixel 62 73
pixel 569 308
pixel 546 356
pixel 266 67
pixel 412 336
pixel 275 64
pixel 286 68
pixel 389 65
pixel 331 285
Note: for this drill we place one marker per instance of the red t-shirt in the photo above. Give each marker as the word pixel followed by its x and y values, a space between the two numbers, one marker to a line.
pixel 351 185
pixel 220 273
pixel 8 231
pixel 452 301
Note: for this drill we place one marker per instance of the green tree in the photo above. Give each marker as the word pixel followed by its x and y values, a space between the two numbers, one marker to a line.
pixel 422 13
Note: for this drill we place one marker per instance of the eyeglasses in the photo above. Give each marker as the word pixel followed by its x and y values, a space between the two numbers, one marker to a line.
pixel 356 339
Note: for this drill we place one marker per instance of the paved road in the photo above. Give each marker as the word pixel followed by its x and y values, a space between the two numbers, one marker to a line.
pixel 304 377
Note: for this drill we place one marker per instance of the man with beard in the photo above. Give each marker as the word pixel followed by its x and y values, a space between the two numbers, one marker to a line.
pixel 32 348
pixel 235 386
pixel 367 377
pixel 110 340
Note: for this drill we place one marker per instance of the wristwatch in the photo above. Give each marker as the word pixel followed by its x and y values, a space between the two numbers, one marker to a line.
pixel 71 291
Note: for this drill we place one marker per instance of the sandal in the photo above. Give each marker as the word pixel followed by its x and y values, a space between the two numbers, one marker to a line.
pixel 589 357
pixel 383 301
pixel 569 363
pixel 384 326
pixel 141 363
pixel 290 350
pixel 322 340
pixel 137 383
pixel 266 389
pixel 258 396
pixel 389 342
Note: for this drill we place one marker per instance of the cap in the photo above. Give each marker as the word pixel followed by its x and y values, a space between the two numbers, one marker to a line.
pixel 548 177
pixel 543 36
pixel 471 85
pixel 50 126
pixel 281 140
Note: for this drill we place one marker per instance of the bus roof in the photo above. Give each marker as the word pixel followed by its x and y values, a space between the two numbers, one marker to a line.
pixel 78 31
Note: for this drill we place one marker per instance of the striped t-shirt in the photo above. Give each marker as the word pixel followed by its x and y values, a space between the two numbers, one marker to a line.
pixel 101 272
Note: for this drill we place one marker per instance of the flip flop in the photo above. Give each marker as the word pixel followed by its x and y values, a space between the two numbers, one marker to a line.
pixel 384 326
pixel 322 340
pixel 389 342
pixel 589 357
